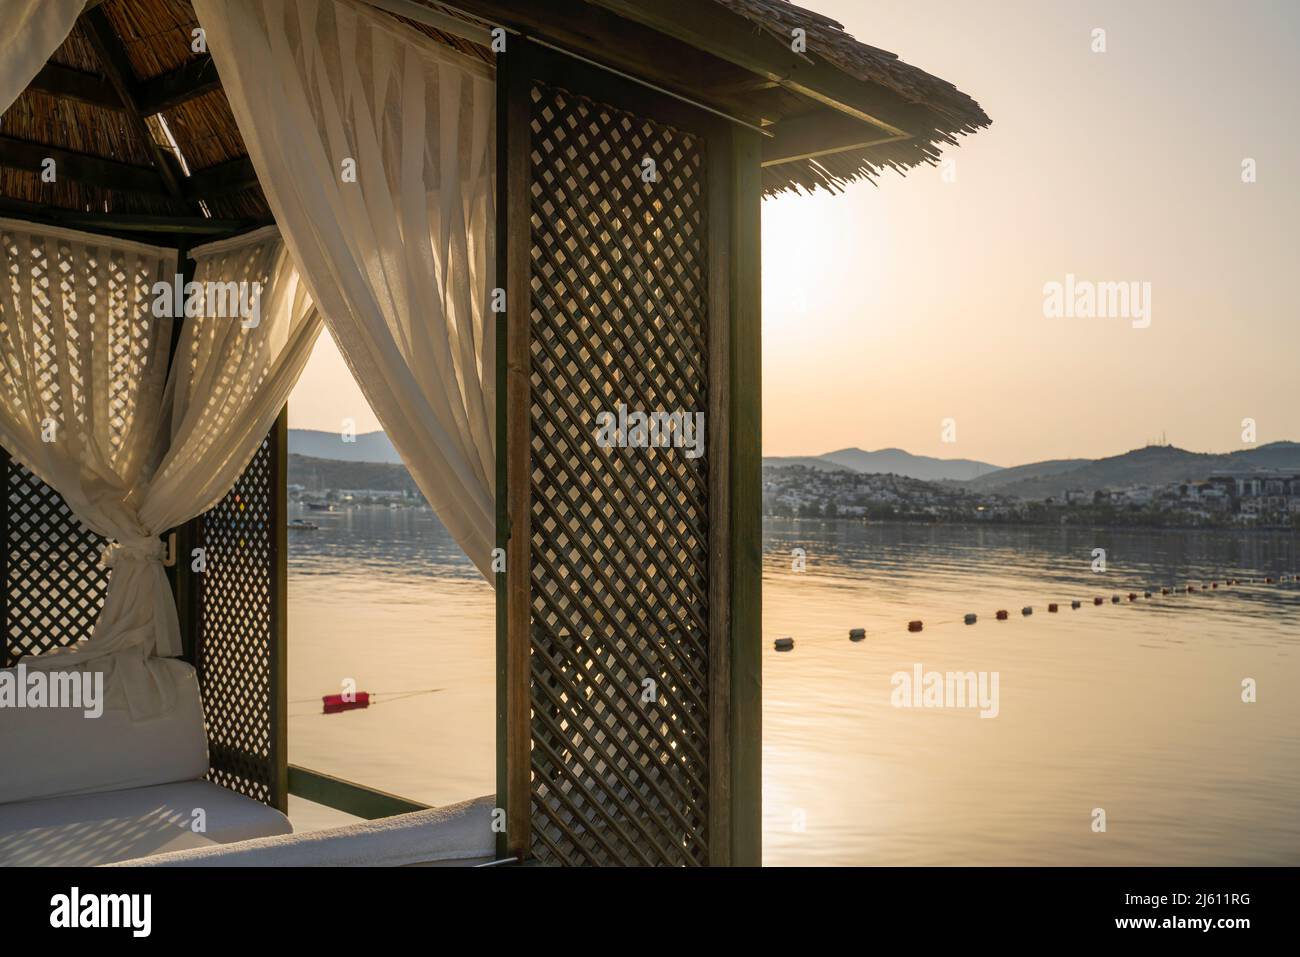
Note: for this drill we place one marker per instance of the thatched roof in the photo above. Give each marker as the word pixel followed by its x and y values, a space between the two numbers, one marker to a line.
pixel 141 126
pixel 952 112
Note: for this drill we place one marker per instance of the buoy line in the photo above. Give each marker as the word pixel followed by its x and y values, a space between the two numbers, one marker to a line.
pixel 786 643
pixel 333 704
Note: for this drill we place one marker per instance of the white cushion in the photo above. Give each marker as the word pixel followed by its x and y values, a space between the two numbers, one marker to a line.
pixel 89 829
pixel 48 752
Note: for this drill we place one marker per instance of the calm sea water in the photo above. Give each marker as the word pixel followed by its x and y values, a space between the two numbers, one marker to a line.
pixel 1133 708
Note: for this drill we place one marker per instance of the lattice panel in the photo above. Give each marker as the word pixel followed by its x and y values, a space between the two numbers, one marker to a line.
pixel 236 630
pixel 619 535
pixel 54 585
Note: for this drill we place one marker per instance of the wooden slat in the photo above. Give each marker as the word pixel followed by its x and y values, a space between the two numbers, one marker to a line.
pixel 163 92
pixel 346 796
pixel 232 176
pixel 821 133
pixel 112 58
pixel 120 223
pixel 240 652
pixel 619 537
pixel 96 170
pixel 67 83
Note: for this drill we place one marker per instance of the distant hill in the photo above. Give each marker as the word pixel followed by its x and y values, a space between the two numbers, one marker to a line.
pixel 808 461
pixel 317 475
pixel 888 462
pixel 900 462
pixel 1153 465
pixel 1020 473
pixel 368 447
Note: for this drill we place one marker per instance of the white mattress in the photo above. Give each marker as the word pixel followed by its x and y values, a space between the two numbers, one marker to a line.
pixel 455 834
pixel 89 829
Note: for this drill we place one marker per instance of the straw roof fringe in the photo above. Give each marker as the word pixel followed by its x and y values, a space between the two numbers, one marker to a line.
pixel 956 113
pixel 155 38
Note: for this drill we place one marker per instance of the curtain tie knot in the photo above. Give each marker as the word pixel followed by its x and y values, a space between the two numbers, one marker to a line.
pixel 137 549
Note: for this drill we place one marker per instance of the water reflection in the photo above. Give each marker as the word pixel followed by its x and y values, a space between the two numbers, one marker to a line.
pixel 407 542
pixel 1133 707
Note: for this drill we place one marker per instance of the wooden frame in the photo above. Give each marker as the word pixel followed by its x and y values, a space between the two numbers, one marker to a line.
pixel 236 648
pixel 280 617
pixel 346 796
pixel 513 271
pixel 744 556
pixel 4 557
pixel 735 536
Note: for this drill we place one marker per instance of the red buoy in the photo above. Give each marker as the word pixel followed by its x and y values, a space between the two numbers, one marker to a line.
pixel 334 703
pixel 1002 614
pixel 1097 601
pixel 1051 606
pixel 913 626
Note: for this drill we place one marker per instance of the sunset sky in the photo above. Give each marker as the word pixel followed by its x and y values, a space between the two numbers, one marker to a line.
pixel 893 307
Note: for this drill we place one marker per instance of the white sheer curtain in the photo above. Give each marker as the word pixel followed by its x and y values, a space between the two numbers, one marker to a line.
pixel 230 377
pixel 86 402
pixel 398 256
pixel 30 30
pixel 84 370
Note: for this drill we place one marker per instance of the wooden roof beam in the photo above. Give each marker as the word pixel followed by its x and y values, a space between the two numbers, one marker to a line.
pixel 82 167
pixel 67 83
pixel 606 38
pixel 152 96
pixel 232 176
pixel 821 133
pixel 112 57
pixel 223 179
pixel 116 223
pixel 160 93
pixel 731 37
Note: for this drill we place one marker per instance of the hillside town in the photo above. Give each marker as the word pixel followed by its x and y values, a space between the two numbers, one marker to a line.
pixel 1256 498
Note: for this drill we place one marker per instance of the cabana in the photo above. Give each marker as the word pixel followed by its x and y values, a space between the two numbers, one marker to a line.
pixel 523 221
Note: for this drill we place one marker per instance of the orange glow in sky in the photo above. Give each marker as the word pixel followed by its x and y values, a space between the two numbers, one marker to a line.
pixel 893 307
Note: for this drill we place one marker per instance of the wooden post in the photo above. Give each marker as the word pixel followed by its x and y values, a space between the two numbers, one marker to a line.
pixel 721 173
pixel 734 157
pixel 184 586
pixel 502 430
pixel 279 797
pixel 4 557
pixel 744 504
pixel 513 183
